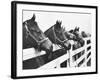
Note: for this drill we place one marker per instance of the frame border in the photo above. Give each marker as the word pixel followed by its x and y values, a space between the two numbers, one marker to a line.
pixel 14 37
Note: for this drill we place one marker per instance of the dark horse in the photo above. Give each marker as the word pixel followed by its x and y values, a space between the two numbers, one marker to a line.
pixel 56 35
pixel 69 35
pixel 77 39
pixel 34 37
pixel 84 34
pixel 79 42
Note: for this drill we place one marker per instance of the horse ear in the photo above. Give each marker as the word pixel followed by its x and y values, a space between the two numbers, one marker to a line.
pixel 60 22
pixel 33 18
pixel 57 22
pixel 75 28
pixel 63 28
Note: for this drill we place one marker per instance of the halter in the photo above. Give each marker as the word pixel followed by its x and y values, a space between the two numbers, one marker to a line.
pixel 56 38
pixel 29 33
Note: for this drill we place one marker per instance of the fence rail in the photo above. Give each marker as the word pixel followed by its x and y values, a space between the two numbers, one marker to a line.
pixel 66 58
pixel 69 55
pixel 56 63
pixel 31 53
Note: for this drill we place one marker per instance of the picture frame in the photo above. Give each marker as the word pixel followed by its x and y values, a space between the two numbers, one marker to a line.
pixel 26 63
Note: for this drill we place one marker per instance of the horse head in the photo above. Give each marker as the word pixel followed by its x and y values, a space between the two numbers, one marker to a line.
pixel 78 37
pixel 84 34
pixel 69 34
pixel 59 37
pixel 35 37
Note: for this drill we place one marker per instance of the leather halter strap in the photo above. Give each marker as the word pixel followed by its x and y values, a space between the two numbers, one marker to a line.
pixel 57 37
pixel 29 33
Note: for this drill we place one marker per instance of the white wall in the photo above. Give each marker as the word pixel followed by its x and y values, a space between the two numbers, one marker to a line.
pixel 69 20
pixel 5 40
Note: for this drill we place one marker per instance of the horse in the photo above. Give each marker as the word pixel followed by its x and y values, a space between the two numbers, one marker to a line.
pixel 69 35
pixel 33 37
pixel 84 34
pixel 56 34
pixel 78 39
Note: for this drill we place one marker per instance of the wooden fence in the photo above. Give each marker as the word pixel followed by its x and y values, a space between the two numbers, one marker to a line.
pixel 67 60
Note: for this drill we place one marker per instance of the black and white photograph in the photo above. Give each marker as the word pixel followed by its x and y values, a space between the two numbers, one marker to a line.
pixel 50 35
pixel 54 39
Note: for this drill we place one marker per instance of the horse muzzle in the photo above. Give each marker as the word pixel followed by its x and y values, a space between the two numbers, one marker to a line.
pixel 47 45
pixel 67 46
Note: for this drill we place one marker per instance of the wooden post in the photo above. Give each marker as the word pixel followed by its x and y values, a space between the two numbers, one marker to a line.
pixel 85 54
pixel 58 64
pixel 71 58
